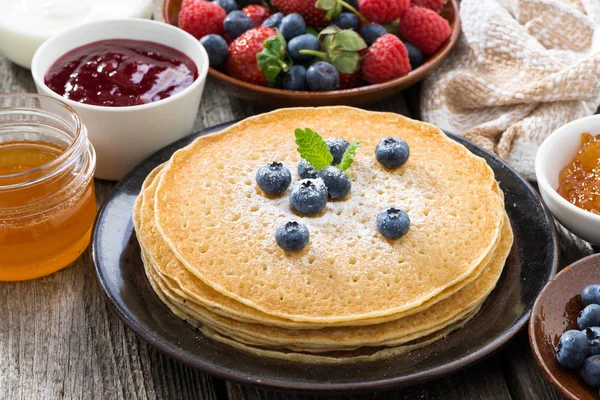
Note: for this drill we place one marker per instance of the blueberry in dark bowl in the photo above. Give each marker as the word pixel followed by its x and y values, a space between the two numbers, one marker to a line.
pixel 572 349
pixel 292 25
pixel 295 78
pixel 274 21
pixel 393 223
pixel 273 178
pixel 217 49
pixel 590 295
pixel 309 196
pixel 347 20
pixel 322 76
pixel 371 32
pixel 292 236
pixel 589 316
pixel 307 171
pixel 236 23
pixel 303 42
pixel 392 152
pixel 415 55
pixel 337 182
pixel 590 371
pixel 227 5
pixel 337 148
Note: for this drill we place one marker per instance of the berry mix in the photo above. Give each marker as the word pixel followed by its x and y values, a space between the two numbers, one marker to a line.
pixel 316 45
pixel 323 173
pixel 580 349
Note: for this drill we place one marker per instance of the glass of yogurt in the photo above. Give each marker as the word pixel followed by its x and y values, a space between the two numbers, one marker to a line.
pixel 26 24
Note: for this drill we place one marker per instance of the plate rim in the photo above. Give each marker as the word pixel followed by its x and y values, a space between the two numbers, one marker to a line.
pixel 232 375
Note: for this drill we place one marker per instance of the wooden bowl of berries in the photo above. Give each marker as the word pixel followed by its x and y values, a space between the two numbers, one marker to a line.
pixel 319 52
pixel 564 330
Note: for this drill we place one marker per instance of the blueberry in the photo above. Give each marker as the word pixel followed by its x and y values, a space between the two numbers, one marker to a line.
pixel 227 5
pixel 337 148
pixel 309 196
pixel 217 49
pixel 306 171
pixel 322 76
pixel 353 3
pixel 236 23
pixel 274 21
pixel 590 295
pixel 293 236
pixel 393 222
pixel 572 349
pixel 347 20
pixel 338 184
pixel 589 316
pixel 371 32
pixel 415 55
pixel 292 25
pixel 593 336
pixel 273 178
pixel 392 152
pixel 303 42
pixel 295 78
pixel 590 371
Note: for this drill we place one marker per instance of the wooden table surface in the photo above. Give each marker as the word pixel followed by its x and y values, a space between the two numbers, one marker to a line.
pixel 60 340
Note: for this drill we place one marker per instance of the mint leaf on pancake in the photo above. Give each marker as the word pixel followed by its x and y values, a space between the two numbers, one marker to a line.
pixel 313 148
pixel 348 157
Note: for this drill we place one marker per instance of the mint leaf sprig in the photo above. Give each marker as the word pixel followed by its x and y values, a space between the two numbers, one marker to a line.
pixel 315 151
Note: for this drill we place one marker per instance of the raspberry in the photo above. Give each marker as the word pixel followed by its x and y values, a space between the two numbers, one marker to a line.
pixel 386 59
pixel 380 11
pixel 200 18
pixel 425 29
pixel 258 14
pixel 435 5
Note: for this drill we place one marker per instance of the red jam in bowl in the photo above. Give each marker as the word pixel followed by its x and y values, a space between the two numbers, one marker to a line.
pixel 121 72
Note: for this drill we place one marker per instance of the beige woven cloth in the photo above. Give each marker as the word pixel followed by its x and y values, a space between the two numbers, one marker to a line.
pixel 520 70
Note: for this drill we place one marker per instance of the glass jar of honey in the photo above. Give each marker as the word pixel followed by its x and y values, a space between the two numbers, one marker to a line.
pixel 47 198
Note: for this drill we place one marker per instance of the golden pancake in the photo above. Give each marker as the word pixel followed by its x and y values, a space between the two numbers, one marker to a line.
pixel 193 289
pixel 392 333
pixel 220 226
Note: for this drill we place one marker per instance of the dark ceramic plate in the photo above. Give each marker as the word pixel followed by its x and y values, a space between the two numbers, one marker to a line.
pixel 531 264
pixel 555 312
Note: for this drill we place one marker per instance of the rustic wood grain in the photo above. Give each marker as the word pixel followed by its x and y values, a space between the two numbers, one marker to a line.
pixel 59 340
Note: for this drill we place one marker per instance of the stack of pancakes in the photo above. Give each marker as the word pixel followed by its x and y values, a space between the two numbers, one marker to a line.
pixel 207 237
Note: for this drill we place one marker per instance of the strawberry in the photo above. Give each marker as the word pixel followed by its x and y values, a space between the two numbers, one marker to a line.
pixel 380 11
pixel 312 15
pixel 424 28
pixel 349 81
pixel 241 62
pixel 200 18
pixel 258 14
pixel 386 59
pixel 435 5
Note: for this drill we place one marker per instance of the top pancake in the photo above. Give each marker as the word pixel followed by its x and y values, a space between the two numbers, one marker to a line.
pixel 221 226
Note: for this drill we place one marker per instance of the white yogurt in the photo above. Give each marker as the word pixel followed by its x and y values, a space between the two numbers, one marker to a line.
pixel 26 24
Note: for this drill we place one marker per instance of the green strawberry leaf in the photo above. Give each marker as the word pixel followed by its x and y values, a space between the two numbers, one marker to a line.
pixel 311 31
pixel 348 40
pixel 330 30
pixel 273 59
pixel 346 62
pixel 333 7
pixel 348 157
pixel 313 148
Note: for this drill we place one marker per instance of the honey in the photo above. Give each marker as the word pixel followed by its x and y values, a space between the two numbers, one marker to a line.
pixel 47 198
pixel 579 181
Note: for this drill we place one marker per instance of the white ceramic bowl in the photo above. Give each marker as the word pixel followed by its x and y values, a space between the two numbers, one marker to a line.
pixel 554 154
pixel 124 136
